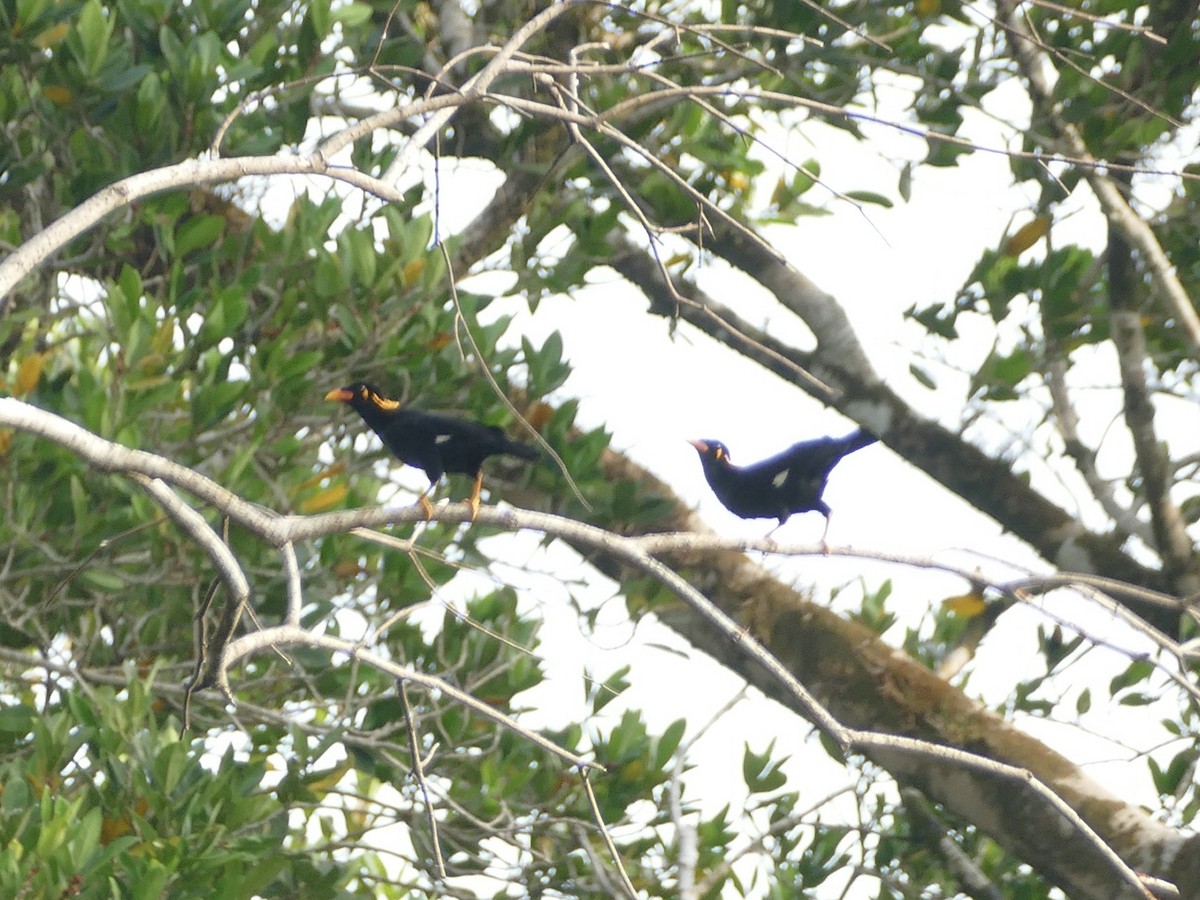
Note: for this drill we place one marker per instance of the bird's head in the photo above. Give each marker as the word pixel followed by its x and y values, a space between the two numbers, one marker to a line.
pixel 363 397
pixel 712 451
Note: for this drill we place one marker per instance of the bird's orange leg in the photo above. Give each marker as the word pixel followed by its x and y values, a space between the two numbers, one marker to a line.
pixel 825 535
pixel 475 489
pixel 426 506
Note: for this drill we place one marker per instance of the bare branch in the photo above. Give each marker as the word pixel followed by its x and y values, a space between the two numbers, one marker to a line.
pixel 928 830
pixel 39 248
pixel 289 635
pixel 197 529
pixel 477 84
pixel 1067 420
pixel 295 596
pixel 418 770
pixel 626 884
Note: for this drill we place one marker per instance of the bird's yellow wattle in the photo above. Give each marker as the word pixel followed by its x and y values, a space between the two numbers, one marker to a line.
pixel 384 403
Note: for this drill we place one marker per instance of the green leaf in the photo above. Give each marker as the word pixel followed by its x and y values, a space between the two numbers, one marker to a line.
pixel 353 15
pixel 806 176
pixel 904 186
pixel 1084 701
pixel 318 14
pixel 225 316
pixel 1137 698
pixel 124 300
pixel 212 403
pixel 85 838
pixel 1136 672
pixel 17 720
pixel 172 49
pixel 610 689
pixel 197 233
pixel 869 197
pixel 669 742
pixel 923 377
pixel 80 501
pixel 30 12
pixel 1167 780
pixel 93 31
pixel 15 639
pixel 937 320
pixel 150 103
pixel 119 81
pixel 761 773
pixel 102 581
pixel 17 796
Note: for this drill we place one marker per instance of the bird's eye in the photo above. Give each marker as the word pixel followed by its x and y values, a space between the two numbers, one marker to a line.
pixel 719 454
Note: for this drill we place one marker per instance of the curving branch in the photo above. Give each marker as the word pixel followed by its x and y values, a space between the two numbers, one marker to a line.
pixel 39 248
pixel 1066 419
pixel 926 829
pixel 418 772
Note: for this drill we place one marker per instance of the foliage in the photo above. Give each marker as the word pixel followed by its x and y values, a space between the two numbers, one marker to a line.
pixel 203 325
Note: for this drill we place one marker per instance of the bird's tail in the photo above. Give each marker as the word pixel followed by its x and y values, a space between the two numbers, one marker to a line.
pixel 525 451
pixel 856 441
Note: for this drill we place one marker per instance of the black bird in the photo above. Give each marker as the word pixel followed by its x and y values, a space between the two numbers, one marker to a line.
pixel 432 442
pixel 789 482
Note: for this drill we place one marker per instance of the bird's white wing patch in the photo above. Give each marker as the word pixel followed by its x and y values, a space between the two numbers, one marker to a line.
pixel 780 479
pixel 442 438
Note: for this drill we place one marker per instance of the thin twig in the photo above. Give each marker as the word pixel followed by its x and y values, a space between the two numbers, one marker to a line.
pixel 928 830
pixel 418 770
pixel 226 564
pixel 626 884
pixel 477 85
pixel 460 321
pixel 295 595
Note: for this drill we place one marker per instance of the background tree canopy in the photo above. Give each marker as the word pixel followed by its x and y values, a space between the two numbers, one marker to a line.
pixel 237 663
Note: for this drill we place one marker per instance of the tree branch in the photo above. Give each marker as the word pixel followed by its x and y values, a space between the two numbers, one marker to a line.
pixel 1170 530
pixel 39 248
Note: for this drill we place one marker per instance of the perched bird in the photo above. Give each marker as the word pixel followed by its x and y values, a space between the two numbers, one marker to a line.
pixel 789 482
pixel 432 442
